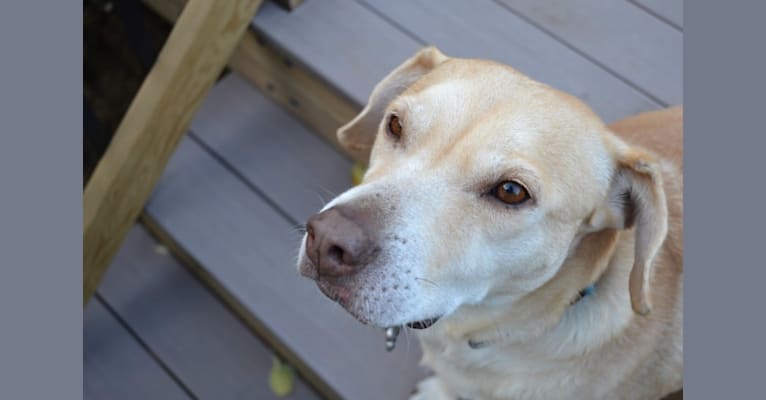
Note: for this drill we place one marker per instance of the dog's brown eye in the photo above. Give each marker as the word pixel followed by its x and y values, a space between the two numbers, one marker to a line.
pixel 511 192
pixel 395 126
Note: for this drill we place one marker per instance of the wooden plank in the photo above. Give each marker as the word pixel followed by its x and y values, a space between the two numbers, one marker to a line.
pixel 195 335
pixel 238 308
pixel 315 102
pixel 116 367
pixel 623 38
pixel 274 152
pixel 193 56
pixel 486 29
pixel 341 41
pixel 669 11
pixel 248 251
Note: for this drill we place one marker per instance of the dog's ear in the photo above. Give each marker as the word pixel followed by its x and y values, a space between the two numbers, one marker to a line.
pixel 358 135
pixel 636 199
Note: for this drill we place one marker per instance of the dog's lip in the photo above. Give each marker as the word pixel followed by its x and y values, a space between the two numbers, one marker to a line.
pixel 308 270
pixel 335 293
pixel 340 295
pixel 423 324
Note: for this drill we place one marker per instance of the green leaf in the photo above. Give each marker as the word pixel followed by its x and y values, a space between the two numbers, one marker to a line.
pixel 281 378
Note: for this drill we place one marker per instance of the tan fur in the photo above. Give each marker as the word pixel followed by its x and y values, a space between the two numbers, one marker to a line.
pixel 606 207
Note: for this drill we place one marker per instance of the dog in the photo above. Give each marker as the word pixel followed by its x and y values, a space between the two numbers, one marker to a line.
pixel 537 250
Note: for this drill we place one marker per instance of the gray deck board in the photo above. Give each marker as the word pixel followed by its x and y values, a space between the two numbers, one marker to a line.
pixel 671 11
pixel 485 29
pixel 620 36
pixel 250 249
pixel 340 40
pixel 115 366
pixel 194 334
pixel 293 166
pixel 622 59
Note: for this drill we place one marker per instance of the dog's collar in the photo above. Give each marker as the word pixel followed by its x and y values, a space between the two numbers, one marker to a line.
pixel 584 292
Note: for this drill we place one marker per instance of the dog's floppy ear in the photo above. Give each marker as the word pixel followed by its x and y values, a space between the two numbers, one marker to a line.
pixel 358 135
pixel 636 199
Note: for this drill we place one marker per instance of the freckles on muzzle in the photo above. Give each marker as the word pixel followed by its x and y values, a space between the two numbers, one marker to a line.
pixel 344 254
pixel 358 263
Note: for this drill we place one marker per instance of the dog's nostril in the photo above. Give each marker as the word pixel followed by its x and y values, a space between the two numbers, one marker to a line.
pixel 309 238
pixel 310 232
pixel 335 254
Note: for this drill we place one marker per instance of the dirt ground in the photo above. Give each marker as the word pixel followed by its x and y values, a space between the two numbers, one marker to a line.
pixel 120 41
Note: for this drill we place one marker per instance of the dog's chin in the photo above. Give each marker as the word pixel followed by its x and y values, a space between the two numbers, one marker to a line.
pixel 339 291
pixel 344 296
pixel 336 293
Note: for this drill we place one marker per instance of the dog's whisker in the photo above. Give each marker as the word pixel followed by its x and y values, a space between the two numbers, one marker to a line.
pixel 427 281
pixel 296 236
pixel 321 200
pixel 300 228
pixel 328 191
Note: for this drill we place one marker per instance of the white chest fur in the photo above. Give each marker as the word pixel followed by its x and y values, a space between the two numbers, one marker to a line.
pixel 565 362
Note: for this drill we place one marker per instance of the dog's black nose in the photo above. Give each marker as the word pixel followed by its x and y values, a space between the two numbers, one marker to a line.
pixel 337 243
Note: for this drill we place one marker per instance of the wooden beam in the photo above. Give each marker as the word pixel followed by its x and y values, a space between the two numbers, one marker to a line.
pixel 317 104
pixel 193 56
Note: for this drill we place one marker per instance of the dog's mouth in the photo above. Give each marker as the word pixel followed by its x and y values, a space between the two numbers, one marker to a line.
pixel 422 324
pixel 337 294
pixel 342 296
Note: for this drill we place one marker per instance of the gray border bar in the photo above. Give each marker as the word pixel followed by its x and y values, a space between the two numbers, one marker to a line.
pixel 41 206
pixel 725 271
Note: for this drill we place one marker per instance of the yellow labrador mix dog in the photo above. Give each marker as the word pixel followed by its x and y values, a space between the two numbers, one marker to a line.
pixel 537 251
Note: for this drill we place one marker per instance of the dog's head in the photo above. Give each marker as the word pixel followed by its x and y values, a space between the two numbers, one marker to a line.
pixel 481 183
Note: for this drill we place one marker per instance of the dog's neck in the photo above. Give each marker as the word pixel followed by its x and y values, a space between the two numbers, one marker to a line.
pixel 527 318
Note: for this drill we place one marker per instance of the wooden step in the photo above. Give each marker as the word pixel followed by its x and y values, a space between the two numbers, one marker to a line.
pixel 165 335
pixel 668 11
pixel 617 35
pixel 116 366
pixel 353 45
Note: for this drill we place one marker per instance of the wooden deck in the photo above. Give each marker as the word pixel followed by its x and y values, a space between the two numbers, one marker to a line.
pixel 248 174
pixel 154 331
